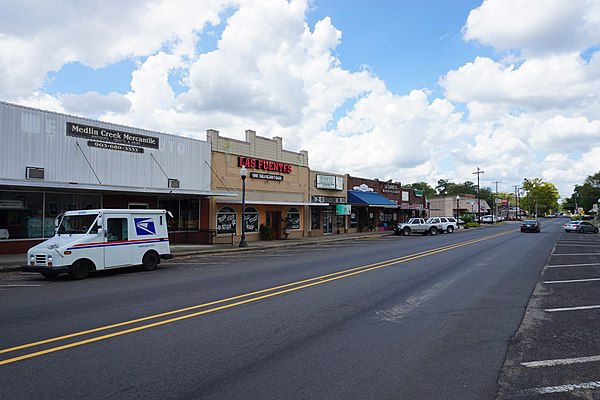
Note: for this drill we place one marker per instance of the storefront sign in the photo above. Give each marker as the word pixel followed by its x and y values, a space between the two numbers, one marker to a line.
pixel 329 182
pixel 111 136
pixel 265 165
pixel 418 193
pixel 327 199
pixel 343 209
pixel 114 146
pixel 390 188
pixel 363 188
pixel 269 177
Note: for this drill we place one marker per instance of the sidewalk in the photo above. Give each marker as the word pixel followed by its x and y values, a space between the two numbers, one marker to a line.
pixel 13 262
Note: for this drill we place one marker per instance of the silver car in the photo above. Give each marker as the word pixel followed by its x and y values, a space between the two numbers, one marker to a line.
pixel 580 226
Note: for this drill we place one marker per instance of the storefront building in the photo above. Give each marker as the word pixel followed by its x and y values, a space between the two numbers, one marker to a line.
pixel 371 209
pixel 332 215
pixel 413 203
pixel 51 163
pixel 276 189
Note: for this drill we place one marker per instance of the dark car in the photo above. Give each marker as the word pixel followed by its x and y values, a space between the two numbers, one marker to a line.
pixel 531 225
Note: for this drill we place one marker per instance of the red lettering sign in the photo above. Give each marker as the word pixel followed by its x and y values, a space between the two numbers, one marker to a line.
pixel 265 165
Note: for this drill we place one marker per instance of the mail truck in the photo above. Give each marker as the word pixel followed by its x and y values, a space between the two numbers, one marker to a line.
pixel 94 240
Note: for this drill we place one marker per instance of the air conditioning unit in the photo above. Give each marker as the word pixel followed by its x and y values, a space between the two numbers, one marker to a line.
pixel 34 173
pixel 174 183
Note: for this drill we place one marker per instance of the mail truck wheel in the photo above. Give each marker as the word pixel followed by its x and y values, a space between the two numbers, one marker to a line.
pixel 79 270
pixel 150 261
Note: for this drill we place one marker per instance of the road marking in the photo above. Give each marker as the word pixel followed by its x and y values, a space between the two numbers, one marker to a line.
pixel 560 389
pixel 232 302
pixel 574 265
pixel 571 308
pixel 573 281
pixel 15 286
pixel 560 361
pixel 398 312
pixel 573 254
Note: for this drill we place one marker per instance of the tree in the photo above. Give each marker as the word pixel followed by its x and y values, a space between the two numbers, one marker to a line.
pixel 586 195
pixel 428 190
pixel 542 197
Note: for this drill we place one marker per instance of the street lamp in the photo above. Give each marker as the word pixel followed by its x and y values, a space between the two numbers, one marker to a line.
pixel 457 206
pixel 243 174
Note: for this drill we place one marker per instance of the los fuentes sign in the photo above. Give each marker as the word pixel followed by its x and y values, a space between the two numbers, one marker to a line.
pixel 265 165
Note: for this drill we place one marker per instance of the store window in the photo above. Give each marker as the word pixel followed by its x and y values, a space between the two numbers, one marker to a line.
pixel 226 220
pixel 186 213
pixel 315 218
pixel 292 218
pixel 251 220
pixel 21 215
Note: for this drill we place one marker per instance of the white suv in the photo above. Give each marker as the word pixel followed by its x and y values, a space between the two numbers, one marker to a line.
pixel 444 224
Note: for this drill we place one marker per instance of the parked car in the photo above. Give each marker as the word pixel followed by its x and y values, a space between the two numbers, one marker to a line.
pixel 580 226
pixel 416 225
pixel 488 219
pixel 531 225
pixel 444 224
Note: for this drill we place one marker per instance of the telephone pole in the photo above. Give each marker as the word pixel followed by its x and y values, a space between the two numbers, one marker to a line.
pixel 496 199
pixel 478 172
pixel 517 210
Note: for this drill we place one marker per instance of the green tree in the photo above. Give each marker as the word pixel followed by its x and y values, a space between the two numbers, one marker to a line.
pixel 587 194
pixel 542 197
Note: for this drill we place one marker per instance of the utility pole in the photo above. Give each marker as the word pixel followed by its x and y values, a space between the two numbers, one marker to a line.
pixel 496 199
pixel 517 210
pixel 478 172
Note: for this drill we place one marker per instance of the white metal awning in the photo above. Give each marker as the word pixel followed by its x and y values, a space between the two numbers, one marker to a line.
pixel 272 203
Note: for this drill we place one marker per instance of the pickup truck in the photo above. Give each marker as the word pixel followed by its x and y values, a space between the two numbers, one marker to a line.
pixel 417 225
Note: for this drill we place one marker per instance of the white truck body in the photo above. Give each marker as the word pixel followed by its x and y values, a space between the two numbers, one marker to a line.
pixel 416 225
pixel 94 240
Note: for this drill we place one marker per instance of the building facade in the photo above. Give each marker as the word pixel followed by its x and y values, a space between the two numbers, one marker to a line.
pixel 332 214
pixel 51 162
pixel 276 188
pixel 453 206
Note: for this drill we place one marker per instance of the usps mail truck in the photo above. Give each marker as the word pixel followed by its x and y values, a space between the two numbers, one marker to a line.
pixel 94 240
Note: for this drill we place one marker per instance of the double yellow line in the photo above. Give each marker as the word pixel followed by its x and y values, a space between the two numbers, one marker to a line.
pixel 211 307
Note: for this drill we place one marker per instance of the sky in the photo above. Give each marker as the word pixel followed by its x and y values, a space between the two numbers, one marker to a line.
pixel 390 89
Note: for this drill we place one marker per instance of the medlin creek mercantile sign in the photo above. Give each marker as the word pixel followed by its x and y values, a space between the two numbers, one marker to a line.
pixel 112 139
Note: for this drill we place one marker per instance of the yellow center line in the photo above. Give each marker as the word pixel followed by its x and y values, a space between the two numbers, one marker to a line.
pixel 263 294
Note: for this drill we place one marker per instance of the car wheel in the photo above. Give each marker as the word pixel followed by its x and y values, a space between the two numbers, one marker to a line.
pixel 450 229
pixel 79 270
pixel 406 231
pixel 150 261
pixel 581 230
pixel 433 230
pixel 595 230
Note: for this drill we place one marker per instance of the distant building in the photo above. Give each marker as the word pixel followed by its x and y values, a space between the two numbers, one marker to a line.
pixel 451 206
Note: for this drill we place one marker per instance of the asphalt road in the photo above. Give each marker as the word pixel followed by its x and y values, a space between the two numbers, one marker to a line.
pixel 414 317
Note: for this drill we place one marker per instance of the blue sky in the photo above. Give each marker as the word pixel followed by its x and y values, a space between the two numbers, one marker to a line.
pixel 402 90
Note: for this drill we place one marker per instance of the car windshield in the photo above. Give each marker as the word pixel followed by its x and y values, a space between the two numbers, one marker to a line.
pixel 71 224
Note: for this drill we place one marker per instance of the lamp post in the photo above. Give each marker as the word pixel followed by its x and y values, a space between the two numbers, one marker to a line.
pixel 243 174
pixel 457 206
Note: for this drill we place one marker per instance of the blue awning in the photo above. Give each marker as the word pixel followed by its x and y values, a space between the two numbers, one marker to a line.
pixel 370 199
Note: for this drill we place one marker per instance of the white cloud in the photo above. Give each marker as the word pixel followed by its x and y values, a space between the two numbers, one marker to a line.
pixel 536 27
